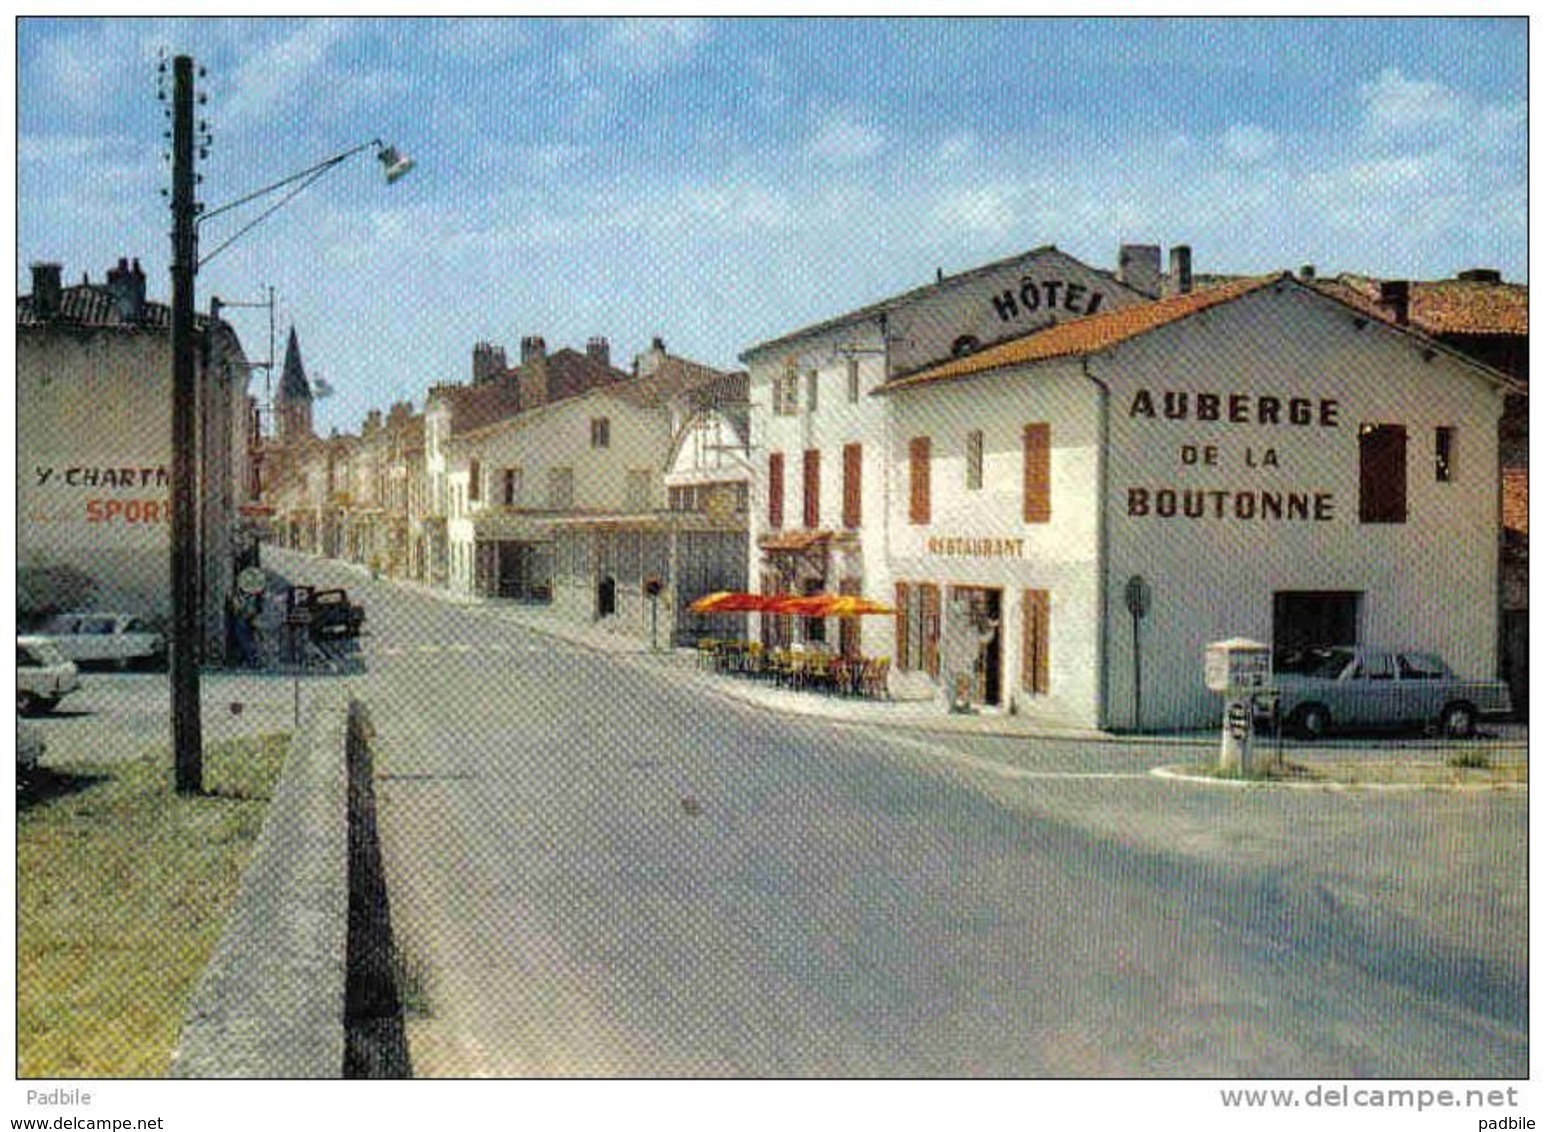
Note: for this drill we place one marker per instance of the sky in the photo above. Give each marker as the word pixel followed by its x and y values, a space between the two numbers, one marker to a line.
pixel 717 182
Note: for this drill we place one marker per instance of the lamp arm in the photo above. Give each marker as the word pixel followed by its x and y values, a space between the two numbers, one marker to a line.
pixel 312 173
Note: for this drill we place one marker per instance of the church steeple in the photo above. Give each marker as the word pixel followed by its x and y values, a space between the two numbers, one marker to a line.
pixel 293 405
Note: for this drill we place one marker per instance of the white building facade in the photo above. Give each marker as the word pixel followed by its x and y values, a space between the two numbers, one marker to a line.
pixel 94 455
pixel 822 503
pixel 1256 460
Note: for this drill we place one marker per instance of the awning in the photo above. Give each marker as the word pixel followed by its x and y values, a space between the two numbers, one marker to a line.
pixel 723 601
pixel 825 605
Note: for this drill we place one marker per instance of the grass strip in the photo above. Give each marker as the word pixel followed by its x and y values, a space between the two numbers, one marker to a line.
pixel 123 887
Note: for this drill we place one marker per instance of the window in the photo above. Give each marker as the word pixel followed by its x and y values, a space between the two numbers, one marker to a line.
pixel 1038 473
pixel 560 488
pixel 1035 665
pixel 812 390
pixel 786 389
pixel 1381 473
pixel 974 460
pixel 852 486
pixel 812 487
pixel 600 432
pixel 475 481
pixel 917 627
pixel 1443 454
pixel 639 480
pixel 920 502
pixel 775 490
pixel 853 381
pixel 512 486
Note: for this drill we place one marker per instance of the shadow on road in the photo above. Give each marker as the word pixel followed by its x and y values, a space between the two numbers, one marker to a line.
pixel 44 785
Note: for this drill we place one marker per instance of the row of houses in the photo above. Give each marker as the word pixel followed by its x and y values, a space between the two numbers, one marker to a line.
pixel 1064 480
pixel 1004 456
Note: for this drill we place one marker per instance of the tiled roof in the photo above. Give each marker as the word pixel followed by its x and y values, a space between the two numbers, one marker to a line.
pixel 906 297
pixel 569 373
pixel 1083 336
pixel 1444 306
pixel 91 305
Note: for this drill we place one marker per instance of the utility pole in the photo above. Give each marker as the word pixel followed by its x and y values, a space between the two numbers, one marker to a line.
pixel 187 725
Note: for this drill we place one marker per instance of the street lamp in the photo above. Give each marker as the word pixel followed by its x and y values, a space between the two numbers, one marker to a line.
pixel 187 215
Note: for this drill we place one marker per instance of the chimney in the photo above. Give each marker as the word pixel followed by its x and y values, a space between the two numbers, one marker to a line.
pixel 488 361
pixel 647 363
pixel 47 294
pixel 599 350
pixel 1179 280
pixel 127 285
pixel 533 373
pixel 1395 297
pixel 1139 268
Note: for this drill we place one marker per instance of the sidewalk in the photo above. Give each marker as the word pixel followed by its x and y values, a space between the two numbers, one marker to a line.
pixel 683 665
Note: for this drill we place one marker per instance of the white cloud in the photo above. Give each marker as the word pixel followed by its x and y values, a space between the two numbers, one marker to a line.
pixel 268 81
pixel 987 209
pixel 649 46
pixel 1395 104
pixel 956 148
pixel 1249 144
pixel 841 138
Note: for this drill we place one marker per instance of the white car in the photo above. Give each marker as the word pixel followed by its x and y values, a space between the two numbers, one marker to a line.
pixel 1367 688
pixel 44 675
pixel 118 639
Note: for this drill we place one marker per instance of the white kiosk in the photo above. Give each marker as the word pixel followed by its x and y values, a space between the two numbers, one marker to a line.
pixel 1241 671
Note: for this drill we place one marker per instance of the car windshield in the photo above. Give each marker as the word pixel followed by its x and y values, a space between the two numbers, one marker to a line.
pixel 1332 665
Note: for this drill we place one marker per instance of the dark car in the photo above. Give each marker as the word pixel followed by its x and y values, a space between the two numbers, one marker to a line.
pixel 331 614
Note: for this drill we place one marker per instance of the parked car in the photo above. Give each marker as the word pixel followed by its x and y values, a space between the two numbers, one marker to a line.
pixel 29 753
pixel 332 614
pixel 1359 687
pixel 44 675
pixel 118 639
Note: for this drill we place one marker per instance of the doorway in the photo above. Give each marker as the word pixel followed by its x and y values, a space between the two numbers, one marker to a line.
pixel 976 640
pixel 1305 620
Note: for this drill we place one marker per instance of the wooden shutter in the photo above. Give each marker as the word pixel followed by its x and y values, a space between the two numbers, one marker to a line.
pixel 775 490
pixel 903 637
pixel 475 481
pixel 812 487
pixel 930 601
pixel 1038 473
pixel 1035 666
pixel 1382 473
pixel 852 486
pixel 921 502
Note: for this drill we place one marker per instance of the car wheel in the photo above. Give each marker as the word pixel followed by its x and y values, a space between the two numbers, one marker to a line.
pixel 1311 721
pixel 1457 721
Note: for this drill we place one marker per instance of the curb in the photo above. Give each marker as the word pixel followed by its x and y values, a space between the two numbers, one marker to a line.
pixel 1180 774
pixel 271 1002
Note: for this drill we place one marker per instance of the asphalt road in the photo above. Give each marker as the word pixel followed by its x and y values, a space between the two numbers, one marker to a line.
pixel 596 869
